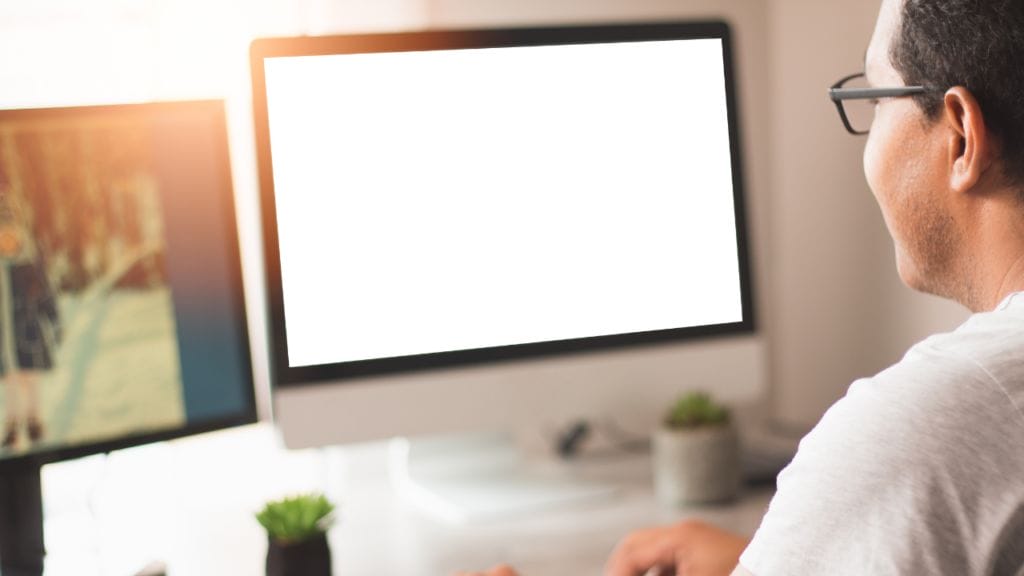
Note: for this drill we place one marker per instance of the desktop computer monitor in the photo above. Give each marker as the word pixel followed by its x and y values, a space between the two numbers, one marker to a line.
pixel 121 313
pixel 477 229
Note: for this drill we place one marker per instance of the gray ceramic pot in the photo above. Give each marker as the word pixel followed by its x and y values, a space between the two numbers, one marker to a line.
pixel 696 466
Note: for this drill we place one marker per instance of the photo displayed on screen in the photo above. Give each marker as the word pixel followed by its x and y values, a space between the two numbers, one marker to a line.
pixel 120 302
pixel 87 335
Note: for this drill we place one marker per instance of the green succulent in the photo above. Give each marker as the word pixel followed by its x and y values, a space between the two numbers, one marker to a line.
pixel 696 409
pixel 297 518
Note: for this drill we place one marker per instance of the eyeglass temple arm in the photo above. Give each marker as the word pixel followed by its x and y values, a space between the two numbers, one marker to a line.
pixel 837 94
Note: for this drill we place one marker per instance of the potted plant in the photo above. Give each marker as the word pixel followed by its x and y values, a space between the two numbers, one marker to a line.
pixel 297 535
pixel 696 453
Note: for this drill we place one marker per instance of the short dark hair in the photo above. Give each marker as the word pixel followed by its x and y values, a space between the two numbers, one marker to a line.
pixel 977 44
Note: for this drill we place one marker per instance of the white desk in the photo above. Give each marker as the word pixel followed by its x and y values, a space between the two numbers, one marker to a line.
pixel 190 504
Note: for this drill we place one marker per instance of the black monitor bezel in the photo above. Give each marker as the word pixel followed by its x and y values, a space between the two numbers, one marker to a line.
pixel 249 414
pixel 261 49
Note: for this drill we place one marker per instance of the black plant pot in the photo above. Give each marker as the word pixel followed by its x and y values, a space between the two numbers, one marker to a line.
pixel 307 558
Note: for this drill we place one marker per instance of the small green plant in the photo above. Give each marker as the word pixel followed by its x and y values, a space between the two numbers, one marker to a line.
pixel 297 518
pixel 696 409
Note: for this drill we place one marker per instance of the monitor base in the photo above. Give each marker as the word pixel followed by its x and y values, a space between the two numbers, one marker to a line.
pixel 21 521
pixel 480 477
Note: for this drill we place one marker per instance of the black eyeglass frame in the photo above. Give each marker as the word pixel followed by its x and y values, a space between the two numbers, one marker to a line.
pixel 838 94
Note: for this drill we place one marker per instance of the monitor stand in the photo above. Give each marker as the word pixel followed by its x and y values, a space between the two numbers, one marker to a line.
pixel 21 521
pixel 482 477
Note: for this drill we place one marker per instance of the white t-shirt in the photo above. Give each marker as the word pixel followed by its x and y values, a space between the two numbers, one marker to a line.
pixel 918 470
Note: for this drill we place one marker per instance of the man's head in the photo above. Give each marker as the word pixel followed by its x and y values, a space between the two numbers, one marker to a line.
pixel 975 44
pixel 932 159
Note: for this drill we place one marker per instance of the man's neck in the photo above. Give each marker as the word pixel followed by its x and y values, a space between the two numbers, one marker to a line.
pixel 996 269
pixel 1012 281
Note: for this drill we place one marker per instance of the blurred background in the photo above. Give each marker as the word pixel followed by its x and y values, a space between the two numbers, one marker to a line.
pixel 829 302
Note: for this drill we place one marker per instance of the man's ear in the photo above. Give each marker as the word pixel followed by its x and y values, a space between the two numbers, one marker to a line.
pixel 969 146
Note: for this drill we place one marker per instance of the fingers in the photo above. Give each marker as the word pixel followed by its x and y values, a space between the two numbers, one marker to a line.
pixel 688 548
pixel 500 570
pixel 642 551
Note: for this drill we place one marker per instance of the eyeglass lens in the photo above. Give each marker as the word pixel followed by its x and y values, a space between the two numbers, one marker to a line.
pixel 860 113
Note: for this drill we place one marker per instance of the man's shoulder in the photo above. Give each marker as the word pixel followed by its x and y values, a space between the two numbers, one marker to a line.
pixel 935 436
pixel 978 363
pixel 947 394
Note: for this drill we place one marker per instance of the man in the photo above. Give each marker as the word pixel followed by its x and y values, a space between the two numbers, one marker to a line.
pixel 920 469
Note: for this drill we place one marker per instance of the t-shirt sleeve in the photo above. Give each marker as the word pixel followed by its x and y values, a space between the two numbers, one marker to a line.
pixel 886 482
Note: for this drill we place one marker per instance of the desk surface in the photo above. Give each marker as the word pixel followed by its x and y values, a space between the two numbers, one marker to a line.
pixel 190 504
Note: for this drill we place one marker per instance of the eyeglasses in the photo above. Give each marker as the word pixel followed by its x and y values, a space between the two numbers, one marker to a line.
pixel 856 101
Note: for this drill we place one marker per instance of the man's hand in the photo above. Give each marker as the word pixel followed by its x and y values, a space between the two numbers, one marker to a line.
pixel 690 548
pixel 502 570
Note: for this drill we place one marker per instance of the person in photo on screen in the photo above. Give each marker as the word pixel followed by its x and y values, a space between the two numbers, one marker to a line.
pixel 920 468
pixel 29 323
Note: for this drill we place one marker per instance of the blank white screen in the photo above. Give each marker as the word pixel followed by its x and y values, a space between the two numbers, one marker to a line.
pixel 459 199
